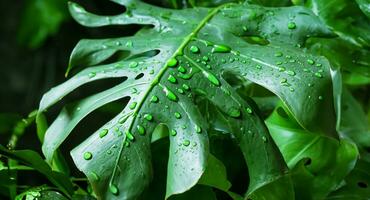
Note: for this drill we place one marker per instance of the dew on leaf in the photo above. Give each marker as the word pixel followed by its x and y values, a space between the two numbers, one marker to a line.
pixel 154 99
pixel 235 112
pixel 171 79
pixel 283 80
pixel 249 110
pixel 310 61
pixel 169 94
pixel 205 58
pixel 291 73
pixel 133 64
pixel 181 69
pixel 186 143
pixel 198 129
pixel 179 90
pixel 140 129
pixel 281 69
pixel 177 115
pixel 113 189
pixel 103 133
pixel 94 176
pixel 264 139
pixel 185 86
pixel 129 135
pixel 133 105
pixel 292 25
pixel 278 54
pixel 212 78
pixel 172 62
pixel 92 74
pixel 148 117
pixel 194 49
pixel 321 98
pixel 88 155
pixel 173 132
pixel 220 49
pixel 318 75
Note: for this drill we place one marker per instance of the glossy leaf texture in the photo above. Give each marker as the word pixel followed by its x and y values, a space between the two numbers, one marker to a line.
pixel 318 163
pixel 180 58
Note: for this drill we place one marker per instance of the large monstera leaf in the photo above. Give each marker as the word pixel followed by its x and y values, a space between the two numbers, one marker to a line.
pixel 184 56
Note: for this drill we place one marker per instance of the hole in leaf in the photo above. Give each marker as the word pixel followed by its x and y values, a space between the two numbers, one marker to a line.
pixel 308 161
pixel 362 184
pixel 139 76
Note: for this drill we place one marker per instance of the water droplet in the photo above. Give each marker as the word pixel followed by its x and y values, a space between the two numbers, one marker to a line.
pixel 129 135
pixel 318 75
pixel 310 61
pixel 186 143
pixel 129 44
pixel 278 54
pixel 94 176
pixel 103 133
pixel 281 69
pixel 92 74
pixel 194 49
pixel 292 25
pixel 171 79
pixel 177 115
pixel 234 112
pixel 212 78
pixel 318 65
pixel 133 105
pixel 258 66
pixel 172 62
pixel 122 119
pixel 291 73
pixel 154 99
pixel 179 90
pixel 151 71
pixel 113 189
pixel 249 110
pixel 220 49
pixel 321 98
pixel 88 155
pixel 283 80
pixel 198 129
pixel 205 58
pixel 148 117
pixel 173 132
pixel 169 94
pixel 181 69
pixel 140 129
pixel 291 89
pixel 245 28
pixel 185 86
pixel 264 139
pixel 133 64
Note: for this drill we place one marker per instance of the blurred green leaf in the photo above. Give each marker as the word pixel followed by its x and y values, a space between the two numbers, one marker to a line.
pixel 34 160
pixel 41 19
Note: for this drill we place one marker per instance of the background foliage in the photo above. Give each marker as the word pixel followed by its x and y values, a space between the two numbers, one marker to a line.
pixel 325 146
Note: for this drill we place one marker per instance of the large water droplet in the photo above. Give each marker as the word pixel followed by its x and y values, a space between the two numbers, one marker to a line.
pixel 140 129
pixel 310 61
pixel 177 115
pixel 212 78
pixel 129 135
pixel 221 49
pixel 169 94
pixel 194 49
pixel 133 105
pixel 113 189
pixel 198 129
pixel 133 64
pixel 172 62
pixel 171 79
pixel 88 155
pixel 292 25
pixel 173 132
pixel 103 133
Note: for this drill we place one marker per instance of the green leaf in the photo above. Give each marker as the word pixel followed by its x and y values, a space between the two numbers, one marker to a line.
pixel 33 159
pixel 165 80
pixel 41 19
pixel 364 6
pixel 356 184
pixel 345 18
pixel 327 162
pixel 354 124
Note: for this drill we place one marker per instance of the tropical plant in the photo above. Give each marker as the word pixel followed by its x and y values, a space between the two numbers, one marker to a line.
pixel 211 93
